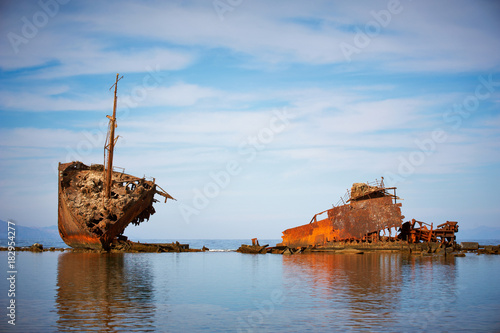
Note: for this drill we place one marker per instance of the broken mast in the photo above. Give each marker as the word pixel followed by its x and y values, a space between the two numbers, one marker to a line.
pixel 110 145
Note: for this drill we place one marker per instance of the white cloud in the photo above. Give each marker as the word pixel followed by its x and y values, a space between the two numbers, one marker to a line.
pixel 62 49
pixel 86 61
pixel 418 38
pixel 181 94
pixel 273 34
pixel 36 102
pixel 38 137
pixel 350 120
pixel 50 98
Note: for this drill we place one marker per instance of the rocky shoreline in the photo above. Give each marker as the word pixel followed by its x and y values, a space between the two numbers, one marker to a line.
pixel 427 248
pixel 117 247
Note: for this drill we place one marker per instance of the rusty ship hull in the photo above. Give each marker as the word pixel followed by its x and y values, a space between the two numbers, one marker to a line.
pixel 364 211
pixel 86 218
pixel 346 222
pixel 96 203
pixel 361 218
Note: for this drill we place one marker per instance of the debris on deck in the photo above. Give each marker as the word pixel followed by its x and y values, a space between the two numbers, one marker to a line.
pixel 89 219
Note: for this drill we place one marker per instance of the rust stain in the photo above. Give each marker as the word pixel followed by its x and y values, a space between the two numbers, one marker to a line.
pixel 97 203
pixel 365 214
pixel 87 219
pixel 417 231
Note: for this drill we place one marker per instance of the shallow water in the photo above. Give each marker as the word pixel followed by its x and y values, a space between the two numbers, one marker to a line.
pixel 231 292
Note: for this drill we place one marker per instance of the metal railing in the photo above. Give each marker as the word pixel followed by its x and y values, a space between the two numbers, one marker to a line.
pixel 347 196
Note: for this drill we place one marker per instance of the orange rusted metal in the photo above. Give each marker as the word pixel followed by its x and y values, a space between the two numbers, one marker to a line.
pixel 96 203
pixel 87 219
pixel 417 231
pixel 367 209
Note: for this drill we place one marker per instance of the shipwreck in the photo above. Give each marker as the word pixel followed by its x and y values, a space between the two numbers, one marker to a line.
pixel 367 215
pixel 96 203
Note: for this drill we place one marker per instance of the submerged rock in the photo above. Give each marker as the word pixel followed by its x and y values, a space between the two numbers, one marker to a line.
pixel 36 247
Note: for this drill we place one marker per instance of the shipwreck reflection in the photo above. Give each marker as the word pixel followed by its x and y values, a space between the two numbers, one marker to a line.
pixel 365 290
pixel 104 292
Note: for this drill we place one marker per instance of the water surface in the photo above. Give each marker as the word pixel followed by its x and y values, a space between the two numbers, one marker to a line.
pixel 231 292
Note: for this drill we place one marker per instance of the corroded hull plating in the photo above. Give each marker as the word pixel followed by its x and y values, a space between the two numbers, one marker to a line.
pixel 88 220
pixel 355 220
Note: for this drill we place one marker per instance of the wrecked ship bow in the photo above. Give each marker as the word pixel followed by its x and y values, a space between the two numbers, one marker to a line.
pixel 96 203
pixel 87 218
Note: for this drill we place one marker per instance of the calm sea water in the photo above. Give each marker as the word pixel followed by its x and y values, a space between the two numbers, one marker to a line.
pixel 231 292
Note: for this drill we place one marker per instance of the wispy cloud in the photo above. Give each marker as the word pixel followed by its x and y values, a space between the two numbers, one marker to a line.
pixel 198 88
pixel 454 42
pixel 40 102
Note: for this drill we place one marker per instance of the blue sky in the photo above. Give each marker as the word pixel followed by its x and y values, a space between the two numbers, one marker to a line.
pixel 255 115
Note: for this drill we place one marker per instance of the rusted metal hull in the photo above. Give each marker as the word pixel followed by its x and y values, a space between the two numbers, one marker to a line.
pixel 87 219
pixel 356 220
pixel 365 211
